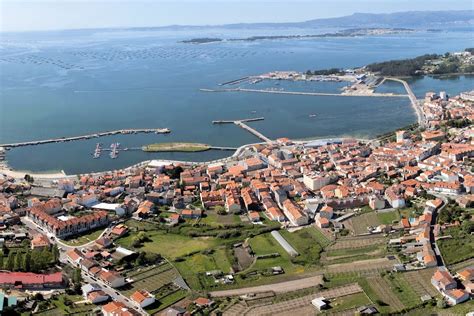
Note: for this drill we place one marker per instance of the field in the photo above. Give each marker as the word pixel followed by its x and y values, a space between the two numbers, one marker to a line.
pixel 387 218
pixel 170 245
pixel 151 279
pixel 58 306
pixel 403 290
pixel 193 268
pixel 307 242
pixel 176 147
pixel 357 242
pixel 421 281
pixel 360 223
pixel 458 248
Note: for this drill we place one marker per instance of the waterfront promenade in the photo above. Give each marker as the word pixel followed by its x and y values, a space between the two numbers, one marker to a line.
pixel 88 136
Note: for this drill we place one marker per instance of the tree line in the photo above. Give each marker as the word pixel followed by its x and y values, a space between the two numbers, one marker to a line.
pixel 29 260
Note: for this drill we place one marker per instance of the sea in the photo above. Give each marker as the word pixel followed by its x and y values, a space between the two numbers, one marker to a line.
pixel 67 83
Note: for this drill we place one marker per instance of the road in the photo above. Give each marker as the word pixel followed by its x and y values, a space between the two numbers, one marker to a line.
pixel 414 102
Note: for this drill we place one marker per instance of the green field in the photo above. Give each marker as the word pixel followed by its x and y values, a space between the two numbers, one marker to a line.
pixel 346 302
pixel 193 268
pixel 150 279
pixel 387 218
pixel 306 242
pixel 176 147
pixel 403 290
pixel 458 248
pixel 170 245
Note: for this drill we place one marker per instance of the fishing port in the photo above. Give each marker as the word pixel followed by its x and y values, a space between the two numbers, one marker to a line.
pixel 241 123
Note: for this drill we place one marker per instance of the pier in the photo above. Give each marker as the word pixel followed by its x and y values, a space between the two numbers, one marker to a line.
pixel 241 123
pixel 235 81
pixel 88 136
pixel 245 120
pixel 375 94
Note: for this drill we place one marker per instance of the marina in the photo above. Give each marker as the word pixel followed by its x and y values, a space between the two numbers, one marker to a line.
pixel 241 123
pixel 274 91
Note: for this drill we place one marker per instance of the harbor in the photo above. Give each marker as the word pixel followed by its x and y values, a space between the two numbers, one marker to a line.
pixel 347 93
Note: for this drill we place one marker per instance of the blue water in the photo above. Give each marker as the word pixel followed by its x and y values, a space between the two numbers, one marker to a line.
pixel 75 82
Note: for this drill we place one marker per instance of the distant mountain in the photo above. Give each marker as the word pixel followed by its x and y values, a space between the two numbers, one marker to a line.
pixel 408 19
pixel 397 19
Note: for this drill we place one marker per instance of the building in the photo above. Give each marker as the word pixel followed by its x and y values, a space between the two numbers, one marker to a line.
pixel 319 303
pixel 116 309
pixel 112 278
pixel 30 281
pixel 442 280
pixel 294 213
pixel 69 227
pixel 40 241
pixel 142 298
pixel 456 296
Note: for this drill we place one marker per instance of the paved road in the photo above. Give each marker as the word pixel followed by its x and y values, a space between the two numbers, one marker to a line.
pixel 281 287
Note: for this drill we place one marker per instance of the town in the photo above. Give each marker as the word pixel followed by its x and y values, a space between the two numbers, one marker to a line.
pixel 370 226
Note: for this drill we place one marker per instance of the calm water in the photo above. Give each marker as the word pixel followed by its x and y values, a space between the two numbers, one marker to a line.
pixel 70 83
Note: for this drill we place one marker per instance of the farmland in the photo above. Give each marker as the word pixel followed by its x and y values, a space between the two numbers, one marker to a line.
pixel 150 278
pixel 458 248
pixel 360 223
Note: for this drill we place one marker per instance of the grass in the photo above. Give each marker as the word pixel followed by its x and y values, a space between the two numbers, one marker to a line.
pixel 403 290
pixel 361 222
pixel 305 241
pixel 176 147
pixel 346 302
pixel 387 218
pixel 83 239
pixel 81 309
pixel 151 279
pixel 166 301
pixel 193 268
pixel 458 248
pixel 170 245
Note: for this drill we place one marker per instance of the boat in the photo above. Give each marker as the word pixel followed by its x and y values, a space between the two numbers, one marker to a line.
pixel 253 112
pixel 312 115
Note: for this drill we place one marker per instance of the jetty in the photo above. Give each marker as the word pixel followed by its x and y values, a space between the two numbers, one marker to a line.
pixel 88 136
pixel 232 121
pixel 235 81
pixel 414 102
pixel 348 94
pixel 241 123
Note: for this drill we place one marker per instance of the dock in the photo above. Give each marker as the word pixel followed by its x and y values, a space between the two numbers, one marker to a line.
pixel 88 136
pixel 244 120
pixel 235 81
pixel 241 123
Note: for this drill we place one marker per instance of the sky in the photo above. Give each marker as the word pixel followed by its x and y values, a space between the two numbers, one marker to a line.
pixel 36 15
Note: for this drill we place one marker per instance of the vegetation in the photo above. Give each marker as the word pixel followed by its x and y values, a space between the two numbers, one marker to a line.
pixel 176 147
pixel 325 72
pixel 458 248
pixel 85 238
pixel 27 260
pixel 403 67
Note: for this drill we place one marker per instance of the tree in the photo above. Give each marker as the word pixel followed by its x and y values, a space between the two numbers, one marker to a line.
pixel 18 261
pixel 27 262
pixel 55 253
pixel 11 261
pixel 468 226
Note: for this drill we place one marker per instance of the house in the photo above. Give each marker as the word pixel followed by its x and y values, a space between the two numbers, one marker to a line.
pixel 176 311
pixel 112 278
pixel 321 222
pixel 119 230
pixel 456 296
pixel 376 202
pixel 254 216
pixel 142 298
pixel 96 297
pixel 326 212
pixel 116 309
pixel 103 242
pixel 294 213
pixel 191 214
pixel 466 274
pixel 442 280
pixel 40 241
pixel 74 256
pixel 28 280
pixel 203 302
